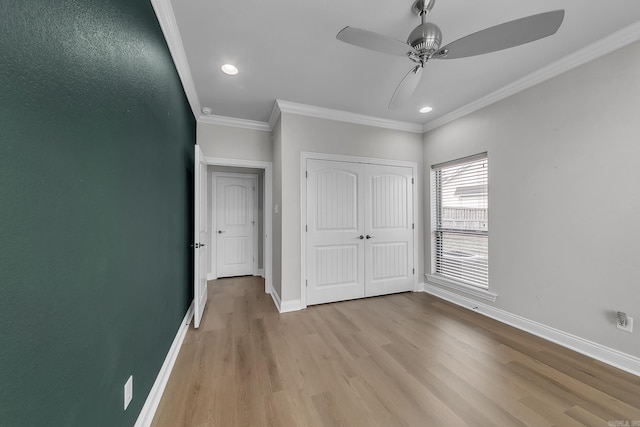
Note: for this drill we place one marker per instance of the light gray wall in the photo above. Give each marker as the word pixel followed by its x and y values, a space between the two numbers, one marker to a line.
pixel 259 221
pixel 234 143
pixel 564 197
pixel 301 133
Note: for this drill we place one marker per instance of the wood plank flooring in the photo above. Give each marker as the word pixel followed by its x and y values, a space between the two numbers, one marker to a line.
pixel 400 360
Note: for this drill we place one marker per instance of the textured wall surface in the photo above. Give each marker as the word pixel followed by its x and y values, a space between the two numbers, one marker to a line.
pixel 96 170
pixel 564 235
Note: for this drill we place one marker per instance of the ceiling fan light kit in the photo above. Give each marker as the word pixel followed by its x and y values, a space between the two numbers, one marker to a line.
pixel 423 43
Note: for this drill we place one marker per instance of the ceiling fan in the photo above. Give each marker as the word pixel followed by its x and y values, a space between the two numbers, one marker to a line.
pixel 423 44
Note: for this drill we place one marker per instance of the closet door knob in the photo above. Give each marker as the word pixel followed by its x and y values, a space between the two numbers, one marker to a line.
pixel 370 237
pixel 361 237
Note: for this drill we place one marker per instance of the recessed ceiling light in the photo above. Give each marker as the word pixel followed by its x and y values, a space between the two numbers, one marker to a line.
pixel 206 111
pixel 229 69
pixel 425 110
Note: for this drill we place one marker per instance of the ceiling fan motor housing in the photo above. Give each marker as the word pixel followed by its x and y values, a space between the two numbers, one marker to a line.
pixel 426 39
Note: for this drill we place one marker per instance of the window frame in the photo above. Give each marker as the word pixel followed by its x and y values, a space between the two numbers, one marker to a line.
pixel 478 290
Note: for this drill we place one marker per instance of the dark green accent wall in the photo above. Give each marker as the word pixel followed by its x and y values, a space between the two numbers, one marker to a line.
pixel 96 170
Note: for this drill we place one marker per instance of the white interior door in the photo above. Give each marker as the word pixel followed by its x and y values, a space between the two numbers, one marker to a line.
pixel 235 226
pixel 335 231
pixel 389 229
pixel 200 236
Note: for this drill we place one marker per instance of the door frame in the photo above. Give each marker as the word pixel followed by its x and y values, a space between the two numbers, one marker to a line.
pixel 214 213
pixel 267 252
pixel 306 155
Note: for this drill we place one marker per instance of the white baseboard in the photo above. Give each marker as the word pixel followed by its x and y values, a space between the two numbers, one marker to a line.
pixel 260 272
pixel 612 357
pixel 419 287
pixel 211 276
pixel 153 399
pixel 286 306
pixel 276 299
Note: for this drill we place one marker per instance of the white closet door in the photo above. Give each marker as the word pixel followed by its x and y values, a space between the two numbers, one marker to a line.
pixel 389 230
pixel 335 231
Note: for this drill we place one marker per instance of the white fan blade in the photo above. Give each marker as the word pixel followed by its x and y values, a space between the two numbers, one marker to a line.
pixel 373 41
pixel 504 36
pixel 406 87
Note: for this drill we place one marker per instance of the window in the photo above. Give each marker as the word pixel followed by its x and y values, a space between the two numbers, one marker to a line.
pixel 461 221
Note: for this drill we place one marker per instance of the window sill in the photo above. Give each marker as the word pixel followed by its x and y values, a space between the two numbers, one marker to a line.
pixel 461 287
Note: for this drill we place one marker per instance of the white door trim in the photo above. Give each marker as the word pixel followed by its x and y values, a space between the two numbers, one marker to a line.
pixel 268 197
pixel 306 155
pixel 214 212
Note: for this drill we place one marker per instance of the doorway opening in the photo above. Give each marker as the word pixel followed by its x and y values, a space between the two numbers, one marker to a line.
pixel 231 251
pixel 236 211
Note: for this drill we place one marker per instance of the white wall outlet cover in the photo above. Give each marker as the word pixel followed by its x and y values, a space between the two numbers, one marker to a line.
pixel 628 327
pixel 128 392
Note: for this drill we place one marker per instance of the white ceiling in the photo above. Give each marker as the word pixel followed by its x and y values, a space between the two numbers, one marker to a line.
pixel 286 49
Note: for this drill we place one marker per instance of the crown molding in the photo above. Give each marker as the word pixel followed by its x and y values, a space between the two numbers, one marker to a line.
pixel 342 116
pixel 280 106
pixel 169 26
pixel 275 115
pixel 235 122
pixel 615 41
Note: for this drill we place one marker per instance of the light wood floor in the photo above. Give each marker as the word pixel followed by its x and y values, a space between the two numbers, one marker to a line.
pixel 399 360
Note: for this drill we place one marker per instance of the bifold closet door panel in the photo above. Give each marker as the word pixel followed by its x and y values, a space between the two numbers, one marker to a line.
pixel 389 230
pixel 335 231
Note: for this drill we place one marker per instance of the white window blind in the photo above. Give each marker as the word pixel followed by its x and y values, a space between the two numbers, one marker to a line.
pixel 461 221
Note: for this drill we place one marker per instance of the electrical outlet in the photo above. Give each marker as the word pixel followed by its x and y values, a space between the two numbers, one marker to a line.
pixel 628 327
pixel 128 392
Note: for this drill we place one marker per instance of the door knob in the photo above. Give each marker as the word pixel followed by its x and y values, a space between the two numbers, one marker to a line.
pixel 203 245
pixel 221 231
pixel 370 237
pixel 361 237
